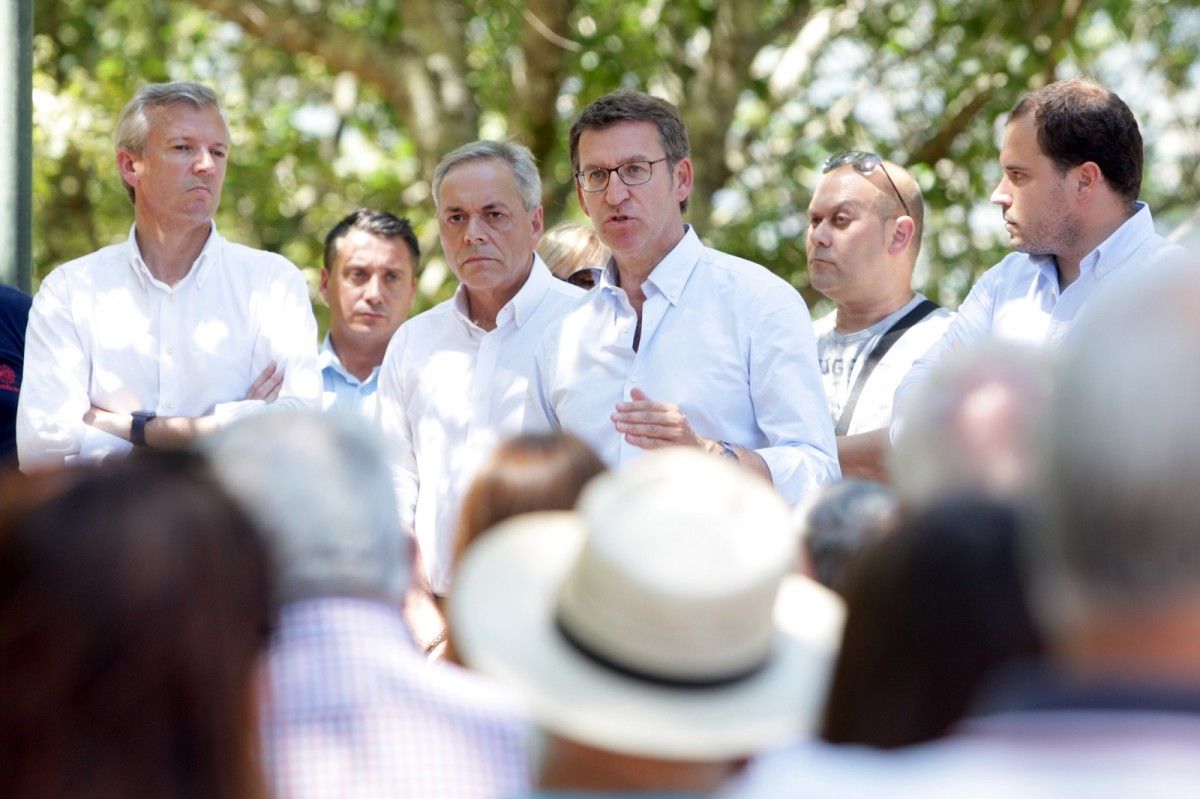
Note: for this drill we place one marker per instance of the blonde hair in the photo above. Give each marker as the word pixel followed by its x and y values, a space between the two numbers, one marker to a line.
pixel 569 246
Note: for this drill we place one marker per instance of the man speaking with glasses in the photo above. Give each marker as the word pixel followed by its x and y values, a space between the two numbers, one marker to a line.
pixel 678 344
pixel 864 232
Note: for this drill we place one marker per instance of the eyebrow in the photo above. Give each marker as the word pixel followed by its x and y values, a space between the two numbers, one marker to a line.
pixel 635 157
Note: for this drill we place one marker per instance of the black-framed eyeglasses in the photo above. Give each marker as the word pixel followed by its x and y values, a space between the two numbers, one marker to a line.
pixel 865 163
pixel 631 173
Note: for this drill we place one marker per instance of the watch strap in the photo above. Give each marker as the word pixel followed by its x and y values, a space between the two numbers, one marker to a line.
pixel 137 430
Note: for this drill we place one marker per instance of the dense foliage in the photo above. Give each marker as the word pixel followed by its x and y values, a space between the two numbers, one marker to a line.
pixel 335 105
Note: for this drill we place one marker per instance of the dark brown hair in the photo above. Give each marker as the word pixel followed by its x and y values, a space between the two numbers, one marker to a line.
pixel 931 609
pixel 134 602
pixel 1079 120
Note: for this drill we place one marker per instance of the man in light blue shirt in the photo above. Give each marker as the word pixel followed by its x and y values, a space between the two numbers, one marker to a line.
pixel 368 281
pixel 1072 161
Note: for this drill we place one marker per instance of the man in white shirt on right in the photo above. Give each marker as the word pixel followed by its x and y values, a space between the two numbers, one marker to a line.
pixel 1072 161
pixel 865 222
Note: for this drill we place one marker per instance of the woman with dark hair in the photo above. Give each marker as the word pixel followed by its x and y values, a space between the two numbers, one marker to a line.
pixel 931 610
pixel 134 605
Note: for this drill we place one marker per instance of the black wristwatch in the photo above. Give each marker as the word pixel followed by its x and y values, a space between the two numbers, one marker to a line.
pixel 137 430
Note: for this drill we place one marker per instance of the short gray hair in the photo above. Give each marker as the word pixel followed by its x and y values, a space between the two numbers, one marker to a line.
pixel 970 427
pixel 518 157
pixel 320 490
pixel 134 124
pixel 1120 498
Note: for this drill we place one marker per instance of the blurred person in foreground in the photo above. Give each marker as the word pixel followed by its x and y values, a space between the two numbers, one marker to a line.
pixel 1112 572
pixel 574 253
pixel 932 611
pixel 368 280
pixel 165 337
pixel 134 608
pixel 658 632
pixel 973 425
pixel 865 221
pixel 1071 164
pixel 526 473
pixel 840 521
pixel 354 709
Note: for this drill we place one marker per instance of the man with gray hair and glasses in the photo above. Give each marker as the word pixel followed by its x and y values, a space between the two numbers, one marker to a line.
pixel 679 344
pixel 164 337
pixel 454 379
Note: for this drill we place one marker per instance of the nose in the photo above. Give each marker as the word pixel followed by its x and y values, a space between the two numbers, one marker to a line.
pixel 473 230
pixel 373 289
pixel 204 160
pixel 1001 195
pixel 616 191
pixel 818 234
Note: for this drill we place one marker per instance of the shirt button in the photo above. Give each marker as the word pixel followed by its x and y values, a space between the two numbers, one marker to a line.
pixel 170 350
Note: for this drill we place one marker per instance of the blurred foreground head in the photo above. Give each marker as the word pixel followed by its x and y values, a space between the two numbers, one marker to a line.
pixel 932 609
pixel 1119 550
pixel 657 631
pixel 971 427
pixel 840 521
pixel 134 603
pixel 319 489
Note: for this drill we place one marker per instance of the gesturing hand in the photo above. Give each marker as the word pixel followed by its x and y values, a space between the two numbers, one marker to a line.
pixel 650 425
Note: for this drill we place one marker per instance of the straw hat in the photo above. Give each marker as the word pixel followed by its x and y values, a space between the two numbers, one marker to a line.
pixel 651 621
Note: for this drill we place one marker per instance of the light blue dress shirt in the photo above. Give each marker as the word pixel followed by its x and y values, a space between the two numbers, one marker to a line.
pixel 343 392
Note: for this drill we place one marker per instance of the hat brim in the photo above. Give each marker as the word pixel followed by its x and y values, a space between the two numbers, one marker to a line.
pixel 502 611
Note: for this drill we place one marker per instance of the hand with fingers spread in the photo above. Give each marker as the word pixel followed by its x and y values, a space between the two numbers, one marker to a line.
pixel 649 424
pixel 266 386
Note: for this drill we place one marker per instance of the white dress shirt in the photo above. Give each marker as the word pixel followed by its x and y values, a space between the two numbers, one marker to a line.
pixel 1019 298
pixel 723 338
pixel 449 392
pixel 103 331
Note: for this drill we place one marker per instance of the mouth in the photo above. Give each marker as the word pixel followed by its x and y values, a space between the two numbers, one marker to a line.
pixel 616 219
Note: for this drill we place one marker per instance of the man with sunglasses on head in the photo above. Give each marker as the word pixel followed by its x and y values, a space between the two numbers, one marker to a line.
pixel 678 344
pixel 864 232
pixel 1072 169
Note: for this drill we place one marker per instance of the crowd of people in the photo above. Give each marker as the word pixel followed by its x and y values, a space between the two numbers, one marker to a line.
pixel 618 517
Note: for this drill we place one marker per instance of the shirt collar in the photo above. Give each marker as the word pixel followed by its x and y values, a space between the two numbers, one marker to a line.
pixel 327 358
pixel 1121 243
pixel 673 271
pixel 199 269
pixel 522 305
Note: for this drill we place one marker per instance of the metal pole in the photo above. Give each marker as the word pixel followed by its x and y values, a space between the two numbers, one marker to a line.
pixel 16 141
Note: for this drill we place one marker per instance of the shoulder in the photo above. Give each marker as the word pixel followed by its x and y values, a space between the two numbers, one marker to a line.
pixel 87 268
pixel 260 262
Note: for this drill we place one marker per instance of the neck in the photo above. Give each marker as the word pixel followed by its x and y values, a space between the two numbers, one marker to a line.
pixel 169 253
pixel 1091 234
pixel 854 316
pixel 484 306
pixel 572 766
pixel 633 269
pixel 1160 646
pixel 358 359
